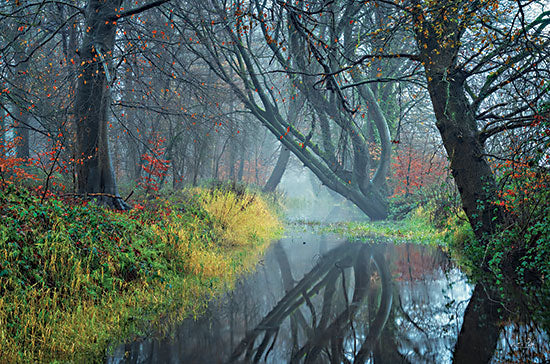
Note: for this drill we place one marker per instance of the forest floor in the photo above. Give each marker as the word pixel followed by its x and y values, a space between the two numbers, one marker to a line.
pixel 76 278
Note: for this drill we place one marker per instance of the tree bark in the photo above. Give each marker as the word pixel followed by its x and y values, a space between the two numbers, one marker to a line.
pixel 457 124
pixel 471 172
pixel 240 172
pixel 23 149
pixel 21 112
pixel 278 171
pixel 2 133
pixel 232 161
pixel 95 171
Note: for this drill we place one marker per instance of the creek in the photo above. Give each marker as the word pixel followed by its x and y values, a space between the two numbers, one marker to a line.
pixel 321 299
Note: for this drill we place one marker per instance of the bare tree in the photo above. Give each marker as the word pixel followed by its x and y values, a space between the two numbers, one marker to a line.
pixel 482 68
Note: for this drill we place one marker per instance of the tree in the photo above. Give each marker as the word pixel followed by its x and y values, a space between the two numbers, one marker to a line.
pixel 94 170
pixel 482 63
pixel 38 52
pixel 278 171
pixel 337 141
pixel 485 66
pixel 452 74
pixel 88 81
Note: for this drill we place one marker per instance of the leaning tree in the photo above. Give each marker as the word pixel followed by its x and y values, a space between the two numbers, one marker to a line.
pixel 267 59
pixel 485 66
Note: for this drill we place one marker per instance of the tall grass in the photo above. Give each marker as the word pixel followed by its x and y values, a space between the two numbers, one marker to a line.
pixel 226 208
pixel 76 278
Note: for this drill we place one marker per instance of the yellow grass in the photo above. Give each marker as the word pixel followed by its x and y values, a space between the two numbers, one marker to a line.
pixel 62 321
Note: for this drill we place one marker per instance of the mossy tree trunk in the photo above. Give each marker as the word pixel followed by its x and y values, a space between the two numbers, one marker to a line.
pixel 456 122
pixel 471 171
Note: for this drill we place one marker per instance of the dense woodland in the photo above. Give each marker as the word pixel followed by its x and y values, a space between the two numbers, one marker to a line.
pixel 390 104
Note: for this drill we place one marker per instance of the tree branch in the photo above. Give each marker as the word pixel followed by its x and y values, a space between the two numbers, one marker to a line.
pixel 141 9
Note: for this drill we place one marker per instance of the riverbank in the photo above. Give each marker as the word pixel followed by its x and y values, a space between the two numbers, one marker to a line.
pixel 76 278
pixel 514 262
pixel 415 228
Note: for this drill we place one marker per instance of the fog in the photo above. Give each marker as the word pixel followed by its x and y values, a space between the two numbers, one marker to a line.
pixel 308 200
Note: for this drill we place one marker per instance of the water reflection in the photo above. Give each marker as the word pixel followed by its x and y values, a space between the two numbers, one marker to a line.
pixel 316 299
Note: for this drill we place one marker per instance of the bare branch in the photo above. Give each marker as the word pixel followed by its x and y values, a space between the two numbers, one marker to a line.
pixel 141 9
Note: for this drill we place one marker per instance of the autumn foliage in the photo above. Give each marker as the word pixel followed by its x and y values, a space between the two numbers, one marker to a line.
pixel 37 171
pixel 521 183
pixel 12 168
pixel 415 170
pixel 154 165
pixel 524 176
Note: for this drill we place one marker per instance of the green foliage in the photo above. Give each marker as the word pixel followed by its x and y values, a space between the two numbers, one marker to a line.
pixel 514 259
pixel 440 200
pixel 75 277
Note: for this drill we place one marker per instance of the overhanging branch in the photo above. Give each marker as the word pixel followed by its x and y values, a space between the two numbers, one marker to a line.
pixel 135 11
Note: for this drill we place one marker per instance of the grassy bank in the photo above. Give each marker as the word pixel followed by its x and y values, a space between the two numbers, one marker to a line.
pixel 415 228
pixel 76 278
pixel 514 261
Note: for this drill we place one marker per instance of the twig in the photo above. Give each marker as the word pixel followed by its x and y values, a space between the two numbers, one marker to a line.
pixel 49 175
pixel 130 195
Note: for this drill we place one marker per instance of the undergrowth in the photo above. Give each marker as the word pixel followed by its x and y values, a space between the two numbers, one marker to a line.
pixel 76 279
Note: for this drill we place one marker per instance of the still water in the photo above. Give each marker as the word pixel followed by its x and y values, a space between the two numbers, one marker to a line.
pixel 320 299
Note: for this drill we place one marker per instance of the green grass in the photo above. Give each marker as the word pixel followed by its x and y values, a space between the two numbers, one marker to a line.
pixel 415 228
pixel 76 278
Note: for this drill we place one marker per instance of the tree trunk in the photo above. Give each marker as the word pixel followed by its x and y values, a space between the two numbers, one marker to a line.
pixel 134 159
pixel 278 171
pixel 197 161
pixel 95 171
pixel 232 161
pixel 21 113
pixel 178 166
pixel 2 134
pixel 457 124
pixel 23 134
pixel 471 172
pixel 240 172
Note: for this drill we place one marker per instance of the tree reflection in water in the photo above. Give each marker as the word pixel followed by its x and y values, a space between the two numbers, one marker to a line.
pixel 354 302
pixel 326 330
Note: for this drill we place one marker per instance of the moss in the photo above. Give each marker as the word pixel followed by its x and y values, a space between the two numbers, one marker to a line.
pixel 76 278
